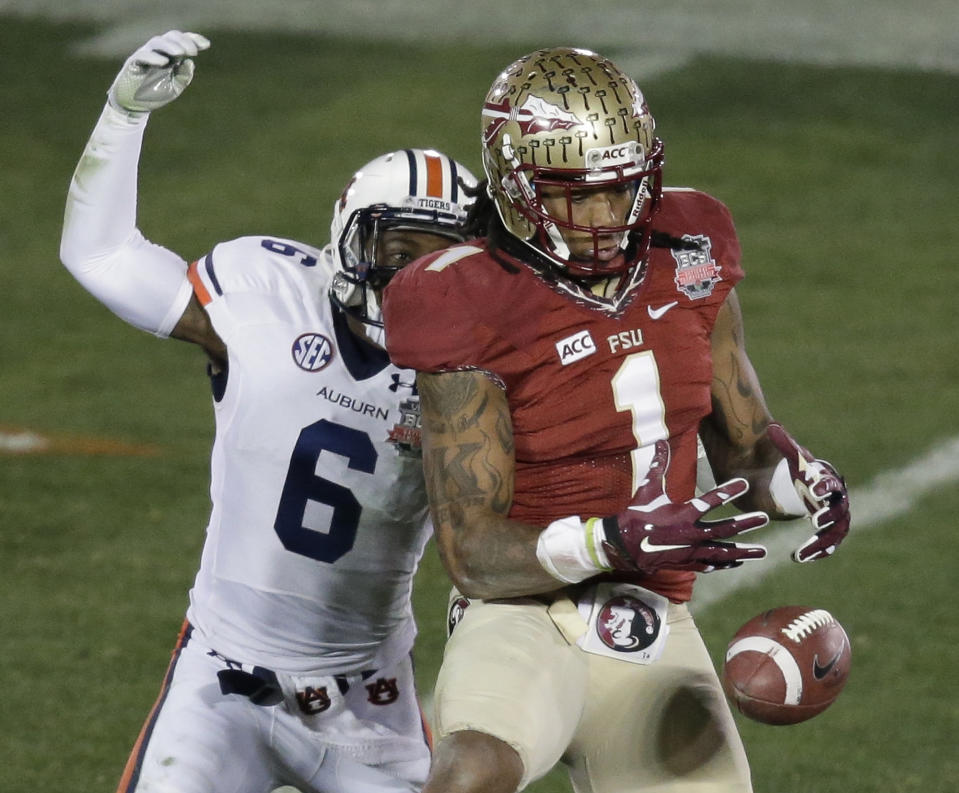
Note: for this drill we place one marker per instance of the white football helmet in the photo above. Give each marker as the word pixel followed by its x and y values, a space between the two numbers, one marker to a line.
pixel 570 119
pixel 410 189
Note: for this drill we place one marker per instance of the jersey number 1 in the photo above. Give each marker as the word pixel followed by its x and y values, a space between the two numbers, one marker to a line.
pixel 636 389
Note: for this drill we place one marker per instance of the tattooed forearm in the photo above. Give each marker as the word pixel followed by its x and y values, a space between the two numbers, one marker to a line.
pixel 449 393
pixel 736 405
pixel 504 431
pixel 450 471
pixel 469 466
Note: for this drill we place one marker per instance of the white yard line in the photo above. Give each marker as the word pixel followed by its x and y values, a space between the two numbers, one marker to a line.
pixel 889 495
pixel 22 442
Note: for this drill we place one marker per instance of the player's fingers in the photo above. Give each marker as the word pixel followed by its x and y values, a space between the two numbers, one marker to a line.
pixel 719 495
pixel 785 442
pixel 719 554
pixel 199 41
pixel 171 46
pixel 823 519
pixel 819 546
pixel 178 44
pixel 724 528
pixel 151 57
pixel 826 487
pixel 184 71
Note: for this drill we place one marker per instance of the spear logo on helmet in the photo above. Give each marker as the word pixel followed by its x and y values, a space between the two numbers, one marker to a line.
pixel 533 116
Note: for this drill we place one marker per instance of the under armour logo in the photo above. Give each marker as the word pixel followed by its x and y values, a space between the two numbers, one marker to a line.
pixel 397 384
pixel 383 692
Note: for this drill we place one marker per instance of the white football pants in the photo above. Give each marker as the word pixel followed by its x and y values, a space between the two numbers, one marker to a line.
pixel 325 735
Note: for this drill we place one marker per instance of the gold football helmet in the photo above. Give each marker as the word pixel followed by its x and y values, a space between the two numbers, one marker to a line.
pixel 569 119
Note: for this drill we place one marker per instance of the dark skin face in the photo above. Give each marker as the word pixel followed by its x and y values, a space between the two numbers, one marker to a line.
pixel 593 207
pixel 399 247
pixel 395 248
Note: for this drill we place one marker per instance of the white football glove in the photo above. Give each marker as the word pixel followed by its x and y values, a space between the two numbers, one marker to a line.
pixel 157 73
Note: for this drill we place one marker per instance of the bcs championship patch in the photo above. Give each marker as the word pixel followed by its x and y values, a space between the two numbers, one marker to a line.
pixel 696 271
pixel 406 433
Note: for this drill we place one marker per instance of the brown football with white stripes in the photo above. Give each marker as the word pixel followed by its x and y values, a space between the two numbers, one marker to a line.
pixel 787 664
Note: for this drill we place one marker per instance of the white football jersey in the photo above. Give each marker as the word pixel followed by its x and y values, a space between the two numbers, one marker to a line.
pixel 319 509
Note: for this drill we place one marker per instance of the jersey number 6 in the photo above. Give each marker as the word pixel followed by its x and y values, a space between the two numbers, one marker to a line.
pixel 303 486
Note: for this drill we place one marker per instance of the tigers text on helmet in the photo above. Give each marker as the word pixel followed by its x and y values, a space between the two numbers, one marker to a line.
pixel 569 120
pixel 415 190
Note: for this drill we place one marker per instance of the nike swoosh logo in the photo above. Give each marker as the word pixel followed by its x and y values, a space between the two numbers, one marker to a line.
pixel 648 547
pixel 656 313
pixel 819 672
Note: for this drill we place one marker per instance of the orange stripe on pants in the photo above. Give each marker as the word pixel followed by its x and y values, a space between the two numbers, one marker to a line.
pixel 131 771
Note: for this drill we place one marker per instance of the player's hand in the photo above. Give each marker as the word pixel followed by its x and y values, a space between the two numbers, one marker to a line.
pixel 655 533
pixel 822 491
pixel 157 73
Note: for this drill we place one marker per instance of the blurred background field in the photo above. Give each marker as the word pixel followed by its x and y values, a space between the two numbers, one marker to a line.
pixel 841 175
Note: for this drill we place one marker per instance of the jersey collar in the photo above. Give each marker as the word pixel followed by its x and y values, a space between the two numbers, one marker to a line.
pixel 362 358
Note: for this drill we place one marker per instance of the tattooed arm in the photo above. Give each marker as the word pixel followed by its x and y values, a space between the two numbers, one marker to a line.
pixel 469 466
pixel 734 434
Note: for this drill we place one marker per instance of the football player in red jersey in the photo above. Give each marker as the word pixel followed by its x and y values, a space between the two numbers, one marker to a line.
pixel 568 359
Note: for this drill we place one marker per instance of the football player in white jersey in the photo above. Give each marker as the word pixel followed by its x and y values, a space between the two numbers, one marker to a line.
pixel 293 666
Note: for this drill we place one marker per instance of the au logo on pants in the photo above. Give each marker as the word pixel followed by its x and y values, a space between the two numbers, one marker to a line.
pixel 384 691
pixel 313 700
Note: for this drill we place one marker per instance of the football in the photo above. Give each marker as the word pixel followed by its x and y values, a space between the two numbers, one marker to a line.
pixel 787 664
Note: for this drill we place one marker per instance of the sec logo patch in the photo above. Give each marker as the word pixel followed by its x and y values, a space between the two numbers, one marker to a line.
pixel 312 352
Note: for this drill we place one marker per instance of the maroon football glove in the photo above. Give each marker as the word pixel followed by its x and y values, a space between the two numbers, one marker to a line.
pixel 822 491
pixel 654 533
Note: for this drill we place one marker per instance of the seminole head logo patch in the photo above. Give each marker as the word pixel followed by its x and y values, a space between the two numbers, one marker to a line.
pixel 626 624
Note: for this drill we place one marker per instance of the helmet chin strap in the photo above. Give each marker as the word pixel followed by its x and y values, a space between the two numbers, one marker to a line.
pixel 561 249
pixel 556 241
pixel 374 334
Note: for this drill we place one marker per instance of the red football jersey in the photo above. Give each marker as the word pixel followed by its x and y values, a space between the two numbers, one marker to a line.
pixel 592 382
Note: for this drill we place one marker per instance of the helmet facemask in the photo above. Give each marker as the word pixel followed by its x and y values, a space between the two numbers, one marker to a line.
pixel 411 190
pixel 640 183
pixel 361 277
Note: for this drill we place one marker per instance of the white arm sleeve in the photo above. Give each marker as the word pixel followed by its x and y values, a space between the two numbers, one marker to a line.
pixel 142 283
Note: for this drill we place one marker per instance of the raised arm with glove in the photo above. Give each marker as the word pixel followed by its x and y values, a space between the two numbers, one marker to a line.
pixel 143 283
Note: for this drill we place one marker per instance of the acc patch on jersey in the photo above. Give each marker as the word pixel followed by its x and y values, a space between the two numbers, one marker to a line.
pixel 696 270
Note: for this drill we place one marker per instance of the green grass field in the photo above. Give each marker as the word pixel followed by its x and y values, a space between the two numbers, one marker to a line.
pixel 843 184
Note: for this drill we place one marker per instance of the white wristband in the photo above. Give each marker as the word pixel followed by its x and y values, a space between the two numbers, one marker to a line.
pixel 783 491
pixel 572 551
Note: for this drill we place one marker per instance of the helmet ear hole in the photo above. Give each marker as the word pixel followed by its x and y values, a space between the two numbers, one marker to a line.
pixel 592 129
